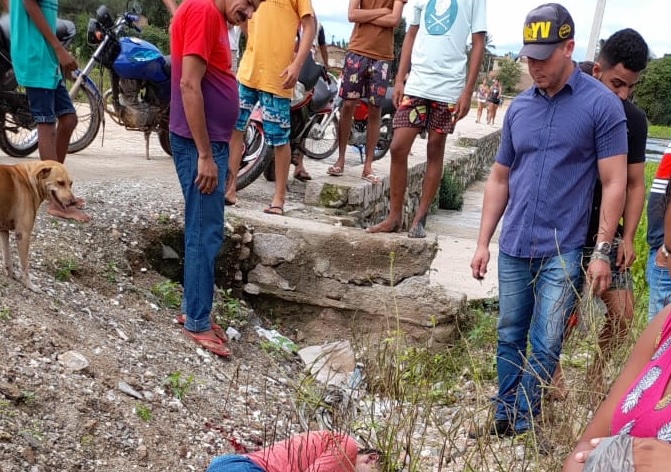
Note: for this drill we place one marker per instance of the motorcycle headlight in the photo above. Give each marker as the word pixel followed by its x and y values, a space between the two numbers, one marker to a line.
pixel 299 94
pixel 93 33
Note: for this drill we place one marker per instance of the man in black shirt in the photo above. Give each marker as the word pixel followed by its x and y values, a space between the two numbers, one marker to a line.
pixel 621 59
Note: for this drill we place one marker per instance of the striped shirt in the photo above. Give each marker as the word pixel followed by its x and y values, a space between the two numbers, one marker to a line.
pixel 551 146
pixel 657 201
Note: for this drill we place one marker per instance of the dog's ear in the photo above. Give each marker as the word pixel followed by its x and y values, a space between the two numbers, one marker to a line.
pixel 44 173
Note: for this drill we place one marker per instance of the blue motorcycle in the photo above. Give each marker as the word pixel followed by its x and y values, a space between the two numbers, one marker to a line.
pixel 139 98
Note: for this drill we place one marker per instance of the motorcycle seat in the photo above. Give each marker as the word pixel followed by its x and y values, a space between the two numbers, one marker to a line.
pixel 65 31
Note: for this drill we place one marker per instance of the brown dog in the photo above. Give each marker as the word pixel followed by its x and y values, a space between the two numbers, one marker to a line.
pixel 23 188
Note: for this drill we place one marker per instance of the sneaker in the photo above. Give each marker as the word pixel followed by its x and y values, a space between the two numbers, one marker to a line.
pixel 499 428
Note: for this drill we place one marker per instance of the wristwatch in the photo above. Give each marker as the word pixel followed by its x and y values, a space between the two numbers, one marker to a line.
pixel 603 248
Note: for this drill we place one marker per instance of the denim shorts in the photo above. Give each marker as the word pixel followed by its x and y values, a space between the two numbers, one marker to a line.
pixel 276 114
pixel 618 280
pixel 233 463
pixel 47 105
pixel 422 113
pixel 363 77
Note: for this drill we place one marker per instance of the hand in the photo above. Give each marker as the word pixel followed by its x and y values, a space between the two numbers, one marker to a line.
pixel 581 457
pixel 67 62
pixel 625 255
pixel 208 176
pixel 649 453
pixel 598 276
pixel 660 260
pixel 479 262
pixel 397 95
pixel 290 75
pixel 462 107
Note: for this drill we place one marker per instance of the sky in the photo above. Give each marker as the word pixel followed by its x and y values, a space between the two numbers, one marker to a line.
pixel 505 20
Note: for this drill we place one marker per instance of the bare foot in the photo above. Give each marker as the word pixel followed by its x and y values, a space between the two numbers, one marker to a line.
pixel 417 229
pixel 387 226
pixel 68 213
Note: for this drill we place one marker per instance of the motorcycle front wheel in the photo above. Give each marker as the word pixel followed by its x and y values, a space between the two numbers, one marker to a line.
pixel 256 156
pixel 384 141
pixel 88 106
pixel 320 147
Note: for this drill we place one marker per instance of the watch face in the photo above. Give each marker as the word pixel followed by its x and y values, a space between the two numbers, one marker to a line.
pixel 603 248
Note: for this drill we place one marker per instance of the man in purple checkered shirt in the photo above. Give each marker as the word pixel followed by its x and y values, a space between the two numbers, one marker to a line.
pixel 556 136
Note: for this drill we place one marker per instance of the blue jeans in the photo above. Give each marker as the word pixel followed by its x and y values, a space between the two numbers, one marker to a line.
pixel 535 299
pixel 659 284
pixel 233 463
pixel 203 229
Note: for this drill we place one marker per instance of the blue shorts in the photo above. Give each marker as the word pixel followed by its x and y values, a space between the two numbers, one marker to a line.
pixel 47 105
pixel 233 463
pixel 276 113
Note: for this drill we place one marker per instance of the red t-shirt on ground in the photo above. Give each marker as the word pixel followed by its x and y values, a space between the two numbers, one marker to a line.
pixel 319 451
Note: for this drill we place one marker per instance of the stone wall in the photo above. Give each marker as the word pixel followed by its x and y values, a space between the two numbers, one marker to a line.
pixel 367 204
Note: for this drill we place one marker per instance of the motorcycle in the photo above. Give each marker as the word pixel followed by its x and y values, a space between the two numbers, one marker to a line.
pixel 357 136
pixel 18 130
pixel 139 98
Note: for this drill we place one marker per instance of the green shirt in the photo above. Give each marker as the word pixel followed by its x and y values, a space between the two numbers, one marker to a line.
pixel 34 61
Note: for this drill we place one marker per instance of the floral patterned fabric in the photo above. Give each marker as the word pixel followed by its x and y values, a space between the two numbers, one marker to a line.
pixel 645 411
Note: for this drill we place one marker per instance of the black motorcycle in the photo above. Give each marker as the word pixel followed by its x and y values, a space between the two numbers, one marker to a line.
pixel 18 130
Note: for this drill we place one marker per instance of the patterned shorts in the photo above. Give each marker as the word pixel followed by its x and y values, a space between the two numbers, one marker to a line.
pixel 423 113
pixel 276 113
pixel 363 77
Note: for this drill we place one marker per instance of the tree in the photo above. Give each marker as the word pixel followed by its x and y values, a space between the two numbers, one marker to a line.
pixel 509 74
pixel 653 91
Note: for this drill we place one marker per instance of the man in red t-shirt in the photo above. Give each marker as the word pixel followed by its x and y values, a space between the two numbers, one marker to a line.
pixel 203 111
pixel 317 451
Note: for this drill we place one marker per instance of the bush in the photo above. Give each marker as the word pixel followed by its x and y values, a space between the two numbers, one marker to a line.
pixel 451 193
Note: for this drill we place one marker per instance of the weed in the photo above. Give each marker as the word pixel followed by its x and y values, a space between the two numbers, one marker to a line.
pixel 143 412
pixel 65 269
pixel 178 386
pixel 227 310
pixel 168 294
pixel 111 271
pixel 5 314
pixel 86 440
pixel 451 192
pixel 163 219
pixel 27 397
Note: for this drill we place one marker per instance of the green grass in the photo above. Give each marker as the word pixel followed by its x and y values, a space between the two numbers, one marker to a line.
pixel 660 132
pixel 177 384
pixel 168 294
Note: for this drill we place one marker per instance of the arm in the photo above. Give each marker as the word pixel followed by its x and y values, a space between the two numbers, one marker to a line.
pixel 171 6
pixel 325 54
pixel 357 15
pixel 291 73
pixel 404 64
pixel 391 20
pixel 463 105
pixel 494 204
pixel 633 207
pixel 600 424
pixel 193 71
pixel 65 59
pixel 613 175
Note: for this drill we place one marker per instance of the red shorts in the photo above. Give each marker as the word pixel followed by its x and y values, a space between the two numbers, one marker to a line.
pixel 423 113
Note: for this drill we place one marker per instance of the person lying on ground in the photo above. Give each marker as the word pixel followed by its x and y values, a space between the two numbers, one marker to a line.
pixel 317 451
